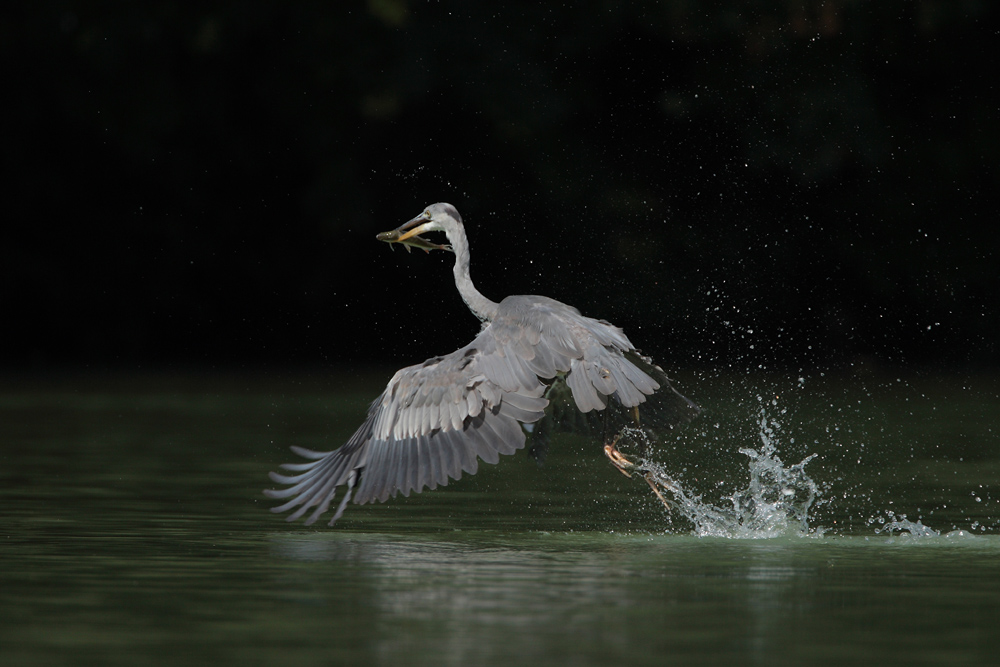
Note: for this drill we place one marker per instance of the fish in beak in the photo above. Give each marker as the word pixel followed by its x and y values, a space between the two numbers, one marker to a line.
pixel 408 235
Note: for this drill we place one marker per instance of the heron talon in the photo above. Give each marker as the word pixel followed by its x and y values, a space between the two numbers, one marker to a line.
pixel 627 467
pixel 619 460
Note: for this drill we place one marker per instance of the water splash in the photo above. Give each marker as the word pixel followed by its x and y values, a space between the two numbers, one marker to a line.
pixel 775 502
pixel 906 528
pixel 901 528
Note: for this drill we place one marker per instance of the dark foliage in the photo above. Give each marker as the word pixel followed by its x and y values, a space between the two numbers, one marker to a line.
pixel 796 183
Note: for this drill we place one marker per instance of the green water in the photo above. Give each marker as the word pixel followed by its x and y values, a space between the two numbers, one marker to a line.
pixel 134 532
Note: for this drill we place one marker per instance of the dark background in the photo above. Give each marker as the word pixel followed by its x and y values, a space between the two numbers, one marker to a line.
pixel 798 184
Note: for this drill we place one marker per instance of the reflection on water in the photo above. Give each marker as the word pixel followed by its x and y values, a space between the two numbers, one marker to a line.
pixel 134 532
pixel 598 598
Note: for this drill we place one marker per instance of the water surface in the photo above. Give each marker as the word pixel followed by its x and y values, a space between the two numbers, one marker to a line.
pixel 134 531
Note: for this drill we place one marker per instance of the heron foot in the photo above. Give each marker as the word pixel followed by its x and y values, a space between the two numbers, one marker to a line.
pixel 619 460
pixel 626 466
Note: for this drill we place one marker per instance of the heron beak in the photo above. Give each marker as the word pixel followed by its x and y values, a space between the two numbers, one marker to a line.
pixel 408 235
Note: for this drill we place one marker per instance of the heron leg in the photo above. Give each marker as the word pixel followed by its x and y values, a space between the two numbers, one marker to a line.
pixel 626 467
pixel 618 460
pixel 653 485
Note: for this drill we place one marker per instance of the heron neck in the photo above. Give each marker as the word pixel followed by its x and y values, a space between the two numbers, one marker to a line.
pixel 480 306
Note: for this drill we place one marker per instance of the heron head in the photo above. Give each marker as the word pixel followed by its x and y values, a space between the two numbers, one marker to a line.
pixel 439 217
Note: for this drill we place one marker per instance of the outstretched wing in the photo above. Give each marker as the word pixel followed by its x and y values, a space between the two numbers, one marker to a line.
pixel 435 420
pixel 432 423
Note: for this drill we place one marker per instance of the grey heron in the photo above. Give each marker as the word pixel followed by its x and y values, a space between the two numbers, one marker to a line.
pixel 436 419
